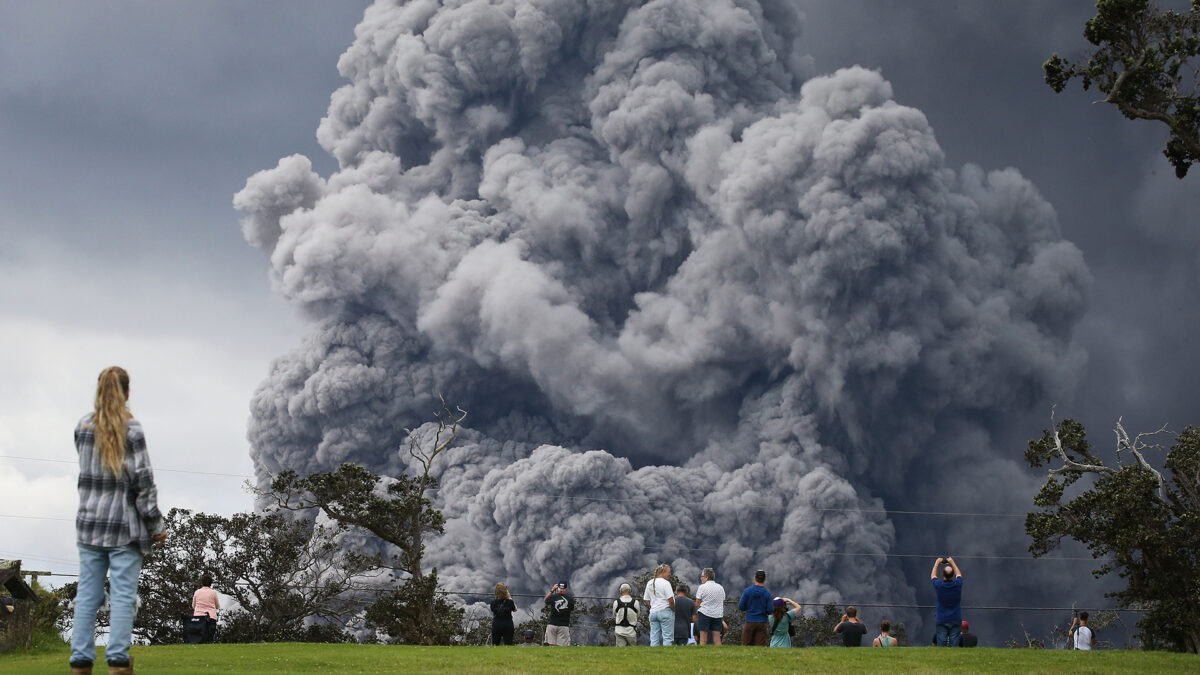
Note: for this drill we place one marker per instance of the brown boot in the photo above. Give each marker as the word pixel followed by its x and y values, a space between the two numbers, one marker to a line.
pixel 126 669
pixel 81 669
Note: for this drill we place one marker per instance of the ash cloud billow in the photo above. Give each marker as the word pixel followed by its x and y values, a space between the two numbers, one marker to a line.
pixel 704 305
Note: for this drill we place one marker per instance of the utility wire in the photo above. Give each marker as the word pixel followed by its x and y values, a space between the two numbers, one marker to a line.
pixel 728 601
pixel 558 495
pixel 156 469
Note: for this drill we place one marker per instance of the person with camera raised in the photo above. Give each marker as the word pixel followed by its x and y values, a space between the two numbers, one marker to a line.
pixel 947 584
pixel 558 625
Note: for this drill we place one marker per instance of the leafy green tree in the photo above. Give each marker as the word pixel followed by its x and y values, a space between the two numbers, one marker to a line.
pixel 817 630
pixel 1145 65
pixel 1138 522
pixel 290 580
pixel 400 514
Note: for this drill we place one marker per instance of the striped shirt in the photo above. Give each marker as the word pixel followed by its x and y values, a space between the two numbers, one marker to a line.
pixel 116 511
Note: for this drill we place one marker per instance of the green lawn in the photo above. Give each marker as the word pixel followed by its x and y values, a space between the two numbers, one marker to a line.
pixel 314 658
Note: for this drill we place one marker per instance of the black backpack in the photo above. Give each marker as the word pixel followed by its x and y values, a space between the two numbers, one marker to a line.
pixel 623 608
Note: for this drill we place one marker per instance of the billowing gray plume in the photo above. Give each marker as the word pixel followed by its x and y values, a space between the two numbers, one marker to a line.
pixel 703 306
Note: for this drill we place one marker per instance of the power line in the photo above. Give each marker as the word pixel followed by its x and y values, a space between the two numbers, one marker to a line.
pixel 6 515
pixel 727 601
pixel 555 495
pixel 156 469
pixel 849 554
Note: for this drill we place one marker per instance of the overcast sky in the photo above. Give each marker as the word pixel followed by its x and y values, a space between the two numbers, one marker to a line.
pixel 125 130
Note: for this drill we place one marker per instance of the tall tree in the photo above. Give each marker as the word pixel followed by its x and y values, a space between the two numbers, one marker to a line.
pixel 1145 65
pixel 400 514
pixel 1140 522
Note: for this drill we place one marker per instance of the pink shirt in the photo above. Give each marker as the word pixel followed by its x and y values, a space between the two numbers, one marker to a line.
pixel 205 602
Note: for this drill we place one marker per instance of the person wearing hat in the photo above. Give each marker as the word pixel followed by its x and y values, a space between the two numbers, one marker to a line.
pixel 625 617
pixel 781 620
pixel 529 641
pixel 558 624
pixel 967 639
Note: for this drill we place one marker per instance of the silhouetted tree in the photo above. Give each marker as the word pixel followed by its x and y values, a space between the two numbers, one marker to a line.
pixel 1145 65
pixel 1138 522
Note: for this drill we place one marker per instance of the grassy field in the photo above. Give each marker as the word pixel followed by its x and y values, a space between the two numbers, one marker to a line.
pixel 313 658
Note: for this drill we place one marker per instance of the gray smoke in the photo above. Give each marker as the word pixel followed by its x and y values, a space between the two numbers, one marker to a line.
pixel 703 306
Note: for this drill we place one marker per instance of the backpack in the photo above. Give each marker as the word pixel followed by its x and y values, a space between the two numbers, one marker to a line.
pixel 622 610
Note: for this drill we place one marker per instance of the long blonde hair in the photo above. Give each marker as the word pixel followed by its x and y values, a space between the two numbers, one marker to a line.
pixel 501 591
pixel 112 418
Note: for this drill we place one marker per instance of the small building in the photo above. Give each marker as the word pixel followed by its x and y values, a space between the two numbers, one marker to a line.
pixel 16 607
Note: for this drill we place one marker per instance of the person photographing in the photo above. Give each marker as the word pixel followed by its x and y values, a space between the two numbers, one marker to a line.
pixel 558 625
pixel 947 585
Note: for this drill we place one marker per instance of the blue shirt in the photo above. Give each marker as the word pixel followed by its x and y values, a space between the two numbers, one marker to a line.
pixel 949 600
pixel 756 603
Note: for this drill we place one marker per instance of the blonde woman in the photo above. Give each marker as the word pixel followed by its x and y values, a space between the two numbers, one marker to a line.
pixel 117 521
pixel 660 600
pixel 502 611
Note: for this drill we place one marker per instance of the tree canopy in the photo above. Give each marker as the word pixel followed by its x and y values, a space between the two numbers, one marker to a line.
pixel 1145 65
pixel 291 580
pixel 1139 522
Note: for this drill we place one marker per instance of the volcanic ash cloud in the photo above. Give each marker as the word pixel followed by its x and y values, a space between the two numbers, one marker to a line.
pixel 702 305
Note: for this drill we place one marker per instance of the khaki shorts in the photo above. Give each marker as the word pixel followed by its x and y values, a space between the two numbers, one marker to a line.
pixel 626 640
pixel 559 636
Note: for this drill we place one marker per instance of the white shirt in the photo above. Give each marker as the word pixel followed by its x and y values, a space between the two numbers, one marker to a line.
pixel 658 592
pixel 1083 638
pixel 711 598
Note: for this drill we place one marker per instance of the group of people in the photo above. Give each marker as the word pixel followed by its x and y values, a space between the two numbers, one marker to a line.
pixel 675 618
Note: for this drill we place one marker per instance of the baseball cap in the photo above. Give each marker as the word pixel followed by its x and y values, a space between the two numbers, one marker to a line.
pixel 964 626
pixel 778 602
pixel 528 633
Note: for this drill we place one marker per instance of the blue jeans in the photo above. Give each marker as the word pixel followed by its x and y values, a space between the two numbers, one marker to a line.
pixel 122 565
pixel 948 634
pixel 662 627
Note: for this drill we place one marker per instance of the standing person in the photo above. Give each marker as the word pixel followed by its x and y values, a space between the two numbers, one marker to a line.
pixel 206 603
pixel 885 639
pixel 558 625
pixel 117 521
pixel 502 611
pixel 685 616
pixel 851 629
pixel 967 639
pixel 661 603
pixel 947 584
pixel 1082 636
pixel 710 608
pixel 625 617
pixel 781 621
pixel 757 603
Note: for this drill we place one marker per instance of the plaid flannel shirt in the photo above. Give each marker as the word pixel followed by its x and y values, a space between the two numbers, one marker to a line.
pixel 116 511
